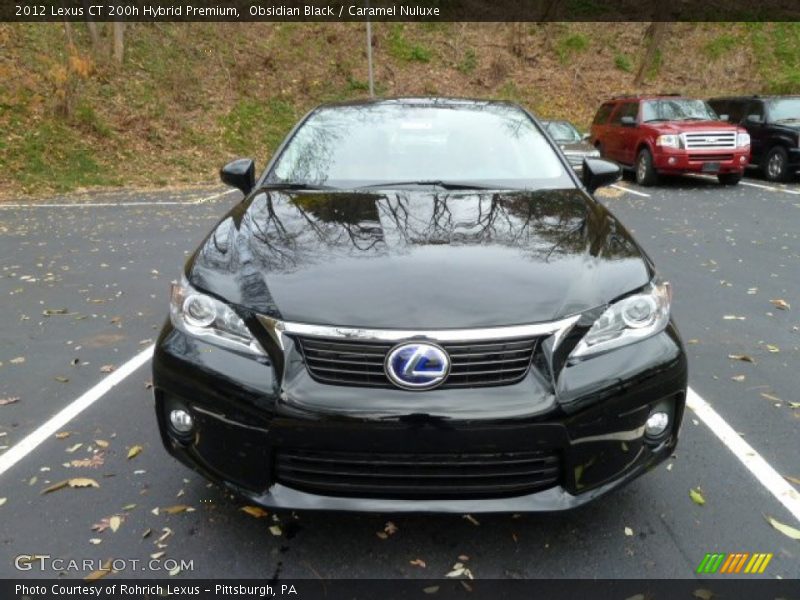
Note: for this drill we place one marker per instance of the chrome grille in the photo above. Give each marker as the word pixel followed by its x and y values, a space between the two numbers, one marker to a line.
pixel 709 140
pixel 473 364
pixel 417 476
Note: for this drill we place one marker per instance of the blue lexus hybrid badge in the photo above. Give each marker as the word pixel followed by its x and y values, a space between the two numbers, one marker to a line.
pixel 416 366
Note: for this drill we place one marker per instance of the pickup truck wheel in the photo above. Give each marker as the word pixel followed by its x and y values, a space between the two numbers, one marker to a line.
pixel 776 164
pixel 729 178
pixel 645 172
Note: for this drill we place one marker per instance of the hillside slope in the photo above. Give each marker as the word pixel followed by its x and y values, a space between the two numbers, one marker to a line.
pixel 188 97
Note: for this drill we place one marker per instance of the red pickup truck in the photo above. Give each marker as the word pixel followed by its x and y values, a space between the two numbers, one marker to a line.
pixel 669 134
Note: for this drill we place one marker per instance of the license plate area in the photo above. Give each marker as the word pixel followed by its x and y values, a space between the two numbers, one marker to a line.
pixel 711 167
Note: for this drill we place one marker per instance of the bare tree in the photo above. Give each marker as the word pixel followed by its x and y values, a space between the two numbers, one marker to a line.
pixel 654 35
pixel 119 41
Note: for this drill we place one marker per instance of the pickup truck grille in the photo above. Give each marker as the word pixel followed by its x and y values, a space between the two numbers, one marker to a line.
pixel 473 364
pixel 418 476
pixel 723 140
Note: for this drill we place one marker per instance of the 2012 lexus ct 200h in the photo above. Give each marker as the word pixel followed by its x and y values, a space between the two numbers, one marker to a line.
pixel 419 306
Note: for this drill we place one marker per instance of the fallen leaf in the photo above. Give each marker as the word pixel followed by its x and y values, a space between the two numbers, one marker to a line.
pixel 72 449
pixel 418 562
pixel 693 341
pixel 134 451
pixel 95 461
pixel 82 482
pixel 56 486
pixel 104 570
pixel 147 533
pixel 102 443
pixel 3 501
pixel 107 368
pixel 794 405
pixel 628 531
pixel 471 519
pixel 781 303
pixel 703 594
pixel 165 533
pixel 772 348
pixel 431 589
pixel 61 379
pixel 791 479
pixel 254 511
pixel 636 597
pixel 157 555
pixel 770 397
pixel 95 541
pixel 178 508
pixel 742 357
pixel 49 312
pixel 784 529
pixel 382 535
pixel 62 435
pixel 9 400
pixel 275 530
pixel 390 528
pixel 733 318
pixel 463 557
pixel 18 360
pixel 114 523
pixel 697 497
pixel 739 378
pixel 128 507
pixel 175 571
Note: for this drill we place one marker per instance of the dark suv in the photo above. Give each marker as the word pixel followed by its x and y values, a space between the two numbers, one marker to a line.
pixel 773 123
pixel 669 134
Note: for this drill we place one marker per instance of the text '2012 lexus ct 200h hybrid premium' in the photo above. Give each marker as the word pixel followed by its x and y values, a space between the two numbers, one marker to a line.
pixel 419 306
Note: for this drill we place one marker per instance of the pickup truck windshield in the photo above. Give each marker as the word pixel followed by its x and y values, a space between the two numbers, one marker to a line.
pixel 677 109
pixel 491 145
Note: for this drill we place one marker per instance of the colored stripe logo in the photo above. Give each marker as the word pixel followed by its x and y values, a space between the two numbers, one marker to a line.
pixel 733 563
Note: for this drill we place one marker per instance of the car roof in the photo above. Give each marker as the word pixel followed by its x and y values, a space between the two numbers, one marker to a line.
pixel 624 97
pixel 756 97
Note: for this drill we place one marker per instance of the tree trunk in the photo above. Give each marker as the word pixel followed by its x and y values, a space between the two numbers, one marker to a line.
pixel 119 41
pixel 68 31
pixel 655 35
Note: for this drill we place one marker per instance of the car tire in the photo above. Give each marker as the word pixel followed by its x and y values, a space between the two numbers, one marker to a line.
pixel 729 178
pixel 776 164
pixel 646 174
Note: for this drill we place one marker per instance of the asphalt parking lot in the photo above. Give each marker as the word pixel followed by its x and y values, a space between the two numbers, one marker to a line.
pixel 84 283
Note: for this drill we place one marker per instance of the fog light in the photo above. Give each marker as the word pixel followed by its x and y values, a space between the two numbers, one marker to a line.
pixel 656 424
pixel 182 421
pixel 672 160
pixel 742 159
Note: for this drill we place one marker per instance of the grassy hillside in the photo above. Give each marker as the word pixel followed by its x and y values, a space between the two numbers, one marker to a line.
pixel 188 97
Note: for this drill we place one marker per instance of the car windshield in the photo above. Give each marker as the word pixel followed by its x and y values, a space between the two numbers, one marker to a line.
pixel 784 109
pixel 463 145
pixel 677 109
pixel 562 131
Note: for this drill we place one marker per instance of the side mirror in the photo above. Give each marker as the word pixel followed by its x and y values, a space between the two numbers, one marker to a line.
pixel 757 119
pixel 585 137
pixel 724 117
pixel 628 121
pixel 240 174
pixel 598 172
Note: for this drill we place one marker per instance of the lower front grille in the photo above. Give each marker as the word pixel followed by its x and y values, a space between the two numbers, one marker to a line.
pixel 473 364
pixel 417 476
pixel 711 157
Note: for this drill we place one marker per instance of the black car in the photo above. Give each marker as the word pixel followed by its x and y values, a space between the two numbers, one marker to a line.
pixel 574 145
pixel 773 123
pixel 418 306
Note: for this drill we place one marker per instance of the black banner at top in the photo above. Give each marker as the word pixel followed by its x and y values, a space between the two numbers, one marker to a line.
pixel 397 10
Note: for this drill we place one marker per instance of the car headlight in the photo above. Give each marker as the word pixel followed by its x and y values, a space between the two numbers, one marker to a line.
pixel 669 141
pixel 628 320
pixel 743 139
pixel 202 316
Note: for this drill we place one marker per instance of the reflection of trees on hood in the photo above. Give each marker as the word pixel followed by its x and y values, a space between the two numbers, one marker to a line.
pixel 280 232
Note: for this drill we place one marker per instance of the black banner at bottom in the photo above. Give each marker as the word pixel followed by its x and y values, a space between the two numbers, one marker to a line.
pixel 374 589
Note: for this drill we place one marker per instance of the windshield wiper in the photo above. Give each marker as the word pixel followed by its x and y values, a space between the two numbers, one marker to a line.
pixel 696 119
pixel 294 185
pixel 652 120
pixel 447 185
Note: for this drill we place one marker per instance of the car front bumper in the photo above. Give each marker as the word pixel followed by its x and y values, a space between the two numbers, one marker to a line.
pixel 589 423
pixel 712 162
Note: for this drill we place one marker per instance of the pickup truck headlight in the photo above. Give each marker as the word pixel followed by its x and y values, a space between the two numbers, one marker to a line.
pixel 669 141
pixel 202 316
pixel 628 320
pixel 743 139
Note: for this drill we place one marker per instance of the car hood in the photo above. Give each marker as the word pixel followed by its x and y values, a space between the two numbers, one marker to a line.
pixel 693 126
pixel 412 259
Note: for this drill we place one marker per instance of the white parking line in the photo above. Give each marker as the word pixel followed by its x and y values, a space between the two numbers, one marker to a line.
pixel 752 460
pixel 50 427
pixel 627 189
pixel 761 186
pixel 96 204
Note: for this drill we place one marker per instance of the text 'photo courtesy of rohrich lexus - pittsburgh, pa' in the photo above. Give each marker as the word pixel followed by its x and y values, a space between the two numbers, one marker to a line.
pixel 419 306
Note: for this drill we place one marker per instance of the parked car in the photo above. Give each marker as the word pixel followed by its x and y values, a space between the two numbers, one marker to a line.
pixel 773 123
pixel 575 146
pixel 669 134
pixel 419 306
